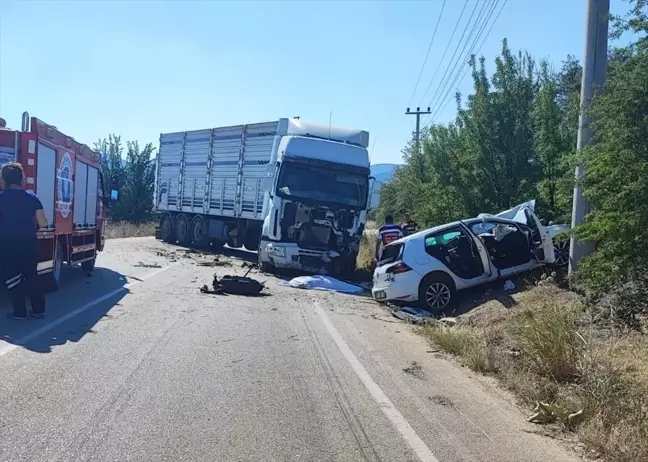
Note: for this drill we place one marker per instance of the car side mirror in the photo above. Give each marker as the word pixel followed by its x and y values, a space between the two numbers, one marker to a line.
pixel 543 222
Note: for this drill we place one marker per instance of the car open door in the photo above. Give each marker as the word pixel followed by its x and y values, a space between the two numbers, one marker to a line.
pixel 525 214
pixel 481 248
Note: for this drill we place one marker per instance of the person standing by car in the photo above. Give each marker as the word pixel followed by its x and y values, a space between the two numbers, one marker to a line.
pixel 409 226
pixel 389 232
pixel 21 214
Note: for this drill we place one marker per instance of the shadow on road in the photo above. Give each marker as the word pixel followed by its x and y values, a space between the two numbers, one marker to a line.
pixel 72 311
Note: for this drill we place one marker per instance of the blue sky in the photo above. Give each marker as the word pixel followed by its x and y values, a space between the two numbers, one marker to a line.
pixel 141 68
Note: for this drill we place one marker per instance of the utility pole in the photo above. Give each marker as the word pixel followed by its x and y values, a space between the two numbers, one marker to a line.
pixel 418 114
pixel 594 72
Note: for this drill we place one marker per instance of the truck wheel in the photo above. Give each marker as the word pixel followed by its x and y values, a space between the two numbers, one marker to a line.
pixel 167 231
pixel 51 280
pixel 182 231
pixel 199 236
pixel 264 267
pixel 217 244
pixel 88 265
pixel 251 241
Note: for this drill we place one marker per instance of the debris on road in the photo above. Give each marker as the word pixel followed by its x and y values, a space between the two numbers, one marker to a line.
pixel 147 265
pixel 413 315
pixel 326 283
pixel 234 285
pixel 448 321
pixel 441 400
pixel 544 413
pixel 414 369
pixel 215 262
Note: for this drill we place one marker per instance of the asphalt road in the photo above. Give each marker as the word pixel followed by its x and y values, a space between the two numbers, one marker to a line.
pixel 134 363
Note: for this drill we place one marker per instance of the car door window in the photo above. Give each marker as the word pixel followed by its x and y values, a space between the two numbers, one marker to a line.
pixel 455 249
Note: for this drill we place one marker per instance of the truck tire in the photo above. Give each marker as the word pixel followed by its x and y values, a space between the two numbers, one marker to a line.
pixel 218 244
pixel 199 235
pixel 264 267
pixel 251 241
pixel 89 265
pixel 182 231
pixel 51 280
pixel 167 229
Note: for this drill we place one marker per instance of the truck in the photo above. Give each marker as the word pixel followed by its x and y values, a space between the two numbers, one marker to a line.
pixel 67 178
pixel 294 191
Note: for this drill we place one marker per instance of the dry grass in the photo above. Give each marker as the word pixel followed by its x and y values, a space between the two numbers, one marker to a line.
pixel 124 229
pixel 546 350
pixel 367 253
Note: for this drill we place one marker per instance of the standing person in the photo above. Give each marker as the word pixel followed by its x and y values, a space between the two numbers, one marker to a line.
pixel 409 226
pixel 387 233
pixel 21 214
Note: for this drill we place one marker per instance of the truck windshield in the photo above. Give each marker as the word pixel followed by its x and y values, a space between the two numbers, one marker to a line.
pixel 319 183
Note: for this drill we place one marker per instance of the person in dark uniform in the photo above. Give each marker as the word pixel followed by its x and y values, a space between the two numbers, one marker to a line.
pixel 409 226
pixel 387 233
pixel 21 214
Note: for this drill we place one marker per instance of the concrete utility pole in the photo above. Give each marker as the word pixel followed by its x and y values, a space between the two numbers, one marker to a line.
pixel 594 71
pixel 418 114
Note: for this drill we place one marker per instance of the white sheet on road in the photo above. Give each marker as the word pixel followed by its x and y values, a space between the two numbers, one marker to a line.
pixel 322 283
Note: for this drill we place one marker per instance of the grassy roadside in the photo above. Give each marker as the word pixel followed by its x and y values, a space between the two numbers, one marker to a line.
pixel 122 229
pixel 546 349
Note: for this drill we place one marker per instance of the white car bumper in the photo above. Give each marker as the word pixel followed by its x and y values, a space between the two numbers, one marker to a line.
pixel 395 287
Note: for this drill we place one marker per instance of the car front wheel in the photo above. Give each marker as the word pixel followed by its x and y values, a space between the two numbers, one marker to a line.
pixel 436 292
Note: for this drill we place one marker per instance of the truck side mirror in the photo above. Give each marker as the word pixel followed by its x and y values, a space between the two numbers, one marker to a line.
pixel 268 181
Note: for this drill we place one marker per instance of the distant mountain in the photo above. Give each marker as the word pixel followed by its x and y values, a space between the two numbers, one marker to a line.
pixel 383 172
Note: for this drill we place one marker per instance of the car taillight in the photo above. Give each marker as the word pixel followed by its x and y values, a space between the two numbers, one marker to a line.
pixel 398 268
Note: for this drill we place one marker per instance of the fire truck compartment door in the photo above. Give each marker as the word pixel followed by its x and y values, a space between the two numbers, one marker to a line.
pixel 45 180
pixel 91 197
pixel 80 195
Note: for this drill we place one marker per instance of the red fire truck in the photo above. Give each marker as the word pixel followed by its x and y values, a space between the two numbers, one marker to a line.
pixel 66 176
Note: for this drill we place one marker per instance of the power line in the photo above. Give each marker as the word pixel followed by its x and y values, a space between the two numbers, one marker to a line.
pixel 418 80
pixel 453 76
pixel 446 50
pixel 476 52
pixel 441 83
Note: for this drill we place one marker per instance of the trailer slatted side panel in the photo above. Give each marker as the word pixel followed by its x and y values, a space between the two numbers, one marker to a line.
pixel 218 171
pixel 170 156
pixel 45 180
pixel 259 139
pixel 226 150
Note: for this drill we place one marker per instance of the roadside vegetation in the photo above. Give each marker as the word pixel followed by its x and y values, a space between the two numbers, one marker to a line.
pixel 131 213
pixel 547 349
pixel 583 357
pixel 122 229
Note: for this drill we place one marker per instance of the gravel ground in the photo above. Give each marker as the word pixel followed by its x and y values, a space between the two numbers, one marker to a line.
pixel 134 363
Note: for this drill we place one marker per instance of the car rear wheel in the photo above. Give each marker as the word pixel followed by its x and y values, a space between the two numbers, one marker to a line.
pixel 436 292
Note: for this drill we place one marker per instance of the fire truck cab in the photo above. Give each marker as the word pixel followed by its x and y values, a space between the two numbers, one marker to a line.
pixel 66 176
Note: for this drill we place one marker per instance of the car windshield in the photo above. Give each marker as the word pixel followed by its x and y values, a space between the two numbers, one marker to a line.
pixel 320 183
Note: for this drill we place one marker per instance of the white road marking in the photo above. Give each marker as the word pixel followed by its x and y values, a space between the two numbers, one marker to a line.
pixel 9 347
pixel 393 414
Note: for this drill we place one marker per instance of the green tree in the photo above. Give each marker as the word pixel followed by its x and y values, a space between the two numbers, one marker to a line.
pixel 133 178
pixel 616 181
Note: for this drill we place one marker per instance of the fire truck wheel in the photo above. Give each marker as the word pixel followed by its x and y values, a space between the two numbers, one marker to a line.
pixel 52 279
pixel 182 230
pixel 167 231
pixel 199 235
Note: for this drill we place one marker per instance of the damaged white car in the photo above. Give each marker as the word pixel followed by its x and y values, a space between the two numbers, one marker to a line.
pixel 431 265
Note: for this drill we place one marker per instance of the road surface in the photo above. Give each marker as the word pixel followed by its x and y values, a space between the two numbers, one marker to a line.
pixel 134 363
